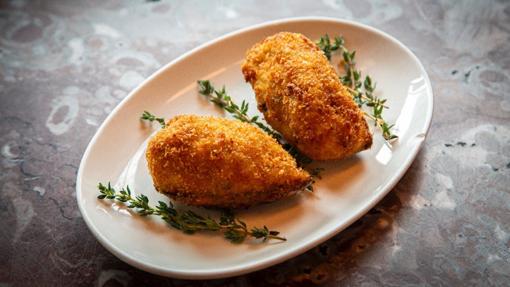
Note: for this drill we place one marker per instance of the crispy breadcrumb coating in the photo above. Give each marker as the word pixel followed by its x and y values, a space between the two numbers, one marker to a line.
pixel 301 96
pixel 217 162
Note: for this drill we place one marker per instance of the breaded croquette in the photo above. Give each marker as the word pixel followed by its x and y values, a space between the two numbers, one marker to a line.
pixel 217 162
pixel 301 96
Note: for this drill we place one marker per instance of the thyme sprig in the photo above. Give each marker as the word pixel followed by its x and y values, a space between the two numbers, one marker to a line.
pixel 224 101
pixel 189 222
pixel 325 45
pixel 147 116
pixel 315 174
pixel 362 92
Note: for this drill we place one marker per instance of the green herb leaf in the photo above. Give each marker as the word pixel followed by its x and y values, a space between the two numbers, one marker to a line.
pixel 188 221
pixel 362 93
pixel 234 235
pixel 147 116
pixel 224 101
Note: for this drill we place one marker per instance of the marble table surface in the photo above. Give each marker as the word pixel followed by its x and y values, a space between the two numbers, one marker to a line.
pixel 64 65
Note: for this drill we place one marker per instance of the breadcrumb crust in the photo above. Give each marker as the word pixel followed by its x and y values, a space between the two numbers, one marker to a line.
pixel 301 96
pixel 217 162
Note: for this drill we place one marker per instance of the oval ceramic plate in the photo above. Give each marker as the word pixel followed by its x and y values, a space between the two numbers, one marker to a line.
pixel 348 188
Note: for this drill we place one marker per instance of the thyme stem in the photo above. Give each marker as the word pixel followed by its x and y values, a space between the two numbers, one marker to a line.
pixel 147 116
pixel 233 229
pixel 224 101
pixel 362 92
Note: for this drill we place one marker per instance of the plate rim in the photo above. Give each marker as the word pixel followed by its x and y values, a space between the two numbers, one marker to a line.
pixel 292 252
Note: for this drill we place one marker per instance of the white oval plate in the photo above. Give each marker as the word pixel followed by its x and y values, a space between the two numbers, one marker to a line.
pixel 347 190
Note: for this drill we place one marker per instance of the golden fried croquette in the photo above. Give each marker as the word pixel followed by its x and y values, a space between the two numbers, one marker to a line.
pixel 217 162
pixel 301 96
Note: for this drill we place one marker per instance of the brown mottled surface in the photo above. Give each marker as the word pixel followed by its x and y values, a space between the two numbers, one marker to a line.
pixel 65 64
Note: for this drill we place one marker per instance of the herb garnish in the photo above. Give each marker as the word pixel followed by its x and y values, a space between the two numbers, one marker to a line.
pixel 189 222
pixel 325 45
pixel 362 92
pixel 224 101
pixel 147 116
pixel 314 174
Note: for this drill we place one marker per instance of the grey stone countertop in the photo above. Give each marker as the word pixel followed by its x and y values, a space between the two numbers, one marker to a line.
pixel 64 65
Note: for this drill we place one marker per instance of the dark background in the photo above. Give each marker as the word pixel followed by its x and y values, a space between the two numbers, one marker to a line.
pixel 64 65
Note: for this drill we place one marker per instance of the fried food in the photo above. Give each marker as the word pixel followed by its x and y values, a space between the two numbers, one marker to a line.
pixel 216 162
pixel 301 96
